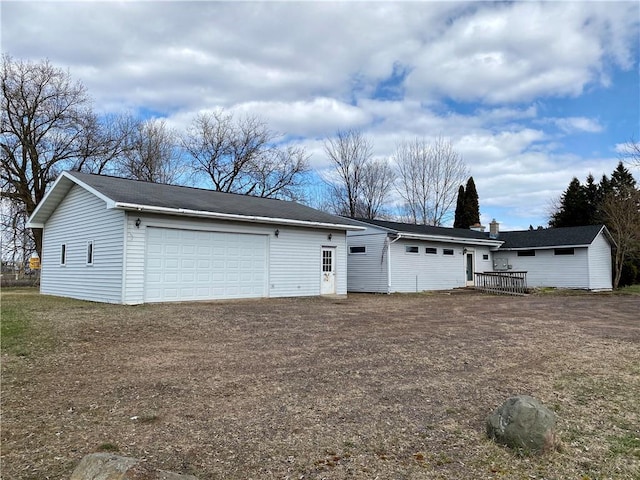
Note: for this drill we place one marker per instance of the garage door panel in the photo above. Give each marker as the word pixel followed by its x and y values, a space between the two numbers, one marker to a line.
pixel 196 265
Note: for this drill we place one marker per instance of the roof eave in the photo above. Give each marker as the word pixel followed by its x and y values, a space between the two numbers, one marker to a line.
pixel 546 247
pixel 448 239
pixel 56 194
pixel 229 216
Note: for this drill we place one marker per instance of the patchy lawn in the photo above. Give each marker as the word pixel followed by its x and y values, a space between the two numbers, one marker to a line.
pixel 369 386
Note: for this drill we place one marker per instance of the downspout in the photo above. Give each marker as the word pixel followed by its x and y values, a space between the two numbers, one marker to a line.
pixel 389 261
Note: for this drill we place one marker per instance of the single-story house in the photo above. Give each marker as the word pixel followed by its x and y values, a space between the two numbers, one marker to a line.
pixel 116 240
pixel 392 257
pixel 568 257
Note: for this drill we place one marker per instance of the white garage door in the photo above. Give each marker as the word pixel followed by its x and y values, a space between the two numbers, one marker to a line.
pixel 193 265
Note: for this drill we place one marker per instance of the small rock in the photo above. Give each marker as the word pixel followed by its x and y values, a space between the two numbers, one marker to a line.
pixel 523 422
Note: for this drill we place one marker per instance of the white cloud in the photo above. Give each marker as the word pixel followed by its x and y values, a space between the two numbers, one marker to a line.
pixel 577 124
pixel 479 73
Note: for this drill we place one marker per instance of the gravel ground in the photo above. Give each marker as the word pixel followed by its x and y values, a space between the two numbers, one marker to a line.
pixel 369 386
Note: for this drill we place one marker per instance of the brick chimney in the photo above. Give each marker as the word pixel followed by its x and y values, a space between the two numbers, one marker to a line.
pixel 494 229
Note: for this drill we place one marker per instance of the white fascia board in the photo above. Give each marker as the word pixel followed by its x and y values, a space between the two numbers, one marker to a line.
pixel 229 216
pixel 443 239
pixel 110 203
pixel 64 180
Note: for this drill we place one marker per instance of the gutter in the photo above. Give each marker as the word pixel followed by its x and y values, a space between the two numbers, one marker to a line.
pixel 232 216
pixel 459 240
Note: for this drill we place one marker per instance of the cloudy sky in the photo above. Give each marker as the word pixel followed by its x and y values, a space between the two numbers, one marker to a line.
pixel 531 94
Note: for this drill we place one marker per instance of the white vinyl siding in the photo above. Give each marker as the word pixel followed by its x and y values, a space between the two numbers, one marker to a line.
pixel 368 272
pixel 293 263
pixel 600 264
pixel 546 269
pixel 417 273
pixel 295 268
pixel 81 218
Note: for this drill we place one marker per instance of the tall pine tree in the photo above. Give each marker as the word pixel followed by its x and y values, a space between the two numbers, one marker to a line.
pixel 471 204
pixel 467 206
pixel 459 219
pixel 573 211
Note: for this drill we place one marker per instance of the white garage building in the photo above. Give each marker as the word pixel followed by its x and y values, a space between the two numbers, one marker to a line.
pixel 116 240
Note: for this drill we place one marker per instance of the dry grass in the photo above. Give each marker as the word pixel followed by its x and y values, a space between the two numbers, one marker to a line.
pixel 368 386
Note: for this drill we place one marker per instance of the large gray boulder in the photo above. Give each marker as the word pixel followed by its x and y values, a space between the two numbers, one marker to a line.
pixel 107 466
pixel 522 422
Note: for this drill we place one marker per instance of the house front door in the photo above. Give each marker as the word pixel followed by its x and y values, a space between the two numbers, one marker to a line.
pixel 469 269
pixel 328 273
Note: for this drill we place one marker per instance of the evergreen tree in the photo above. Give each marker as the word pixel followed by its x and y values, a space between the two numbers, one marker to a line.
pixel 459 220
pixel 471 203
pixel 573 211
pixel 592 196
pixel 622 182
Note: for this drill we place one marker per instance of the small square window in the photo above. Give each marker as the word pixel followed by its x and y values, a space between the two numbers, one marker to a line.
pixel 359 249
pixel 63 254
pixel 431 250
pixel 485 256
pixel 90 253
pixel 411 249
pixel 563 251
pixel 447 251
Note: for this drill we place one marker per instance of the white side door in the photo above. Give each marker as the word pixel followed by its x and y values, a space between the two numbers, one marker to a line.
pixel 328 271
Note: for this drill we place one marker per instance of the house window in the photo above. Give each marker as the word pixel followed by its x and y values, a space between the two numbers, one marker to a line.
pixel 526 253
pixel 358 249
pixel 90 252
pixel 431 250
pixel 485 256
pixel 327 261
pixel 63 254
pixel 447 251
pixel 563 251
pixel 411 249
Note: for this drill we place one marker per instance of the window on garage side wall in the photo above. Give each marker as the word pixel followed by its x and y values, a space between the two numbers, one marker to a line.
pixel 90 252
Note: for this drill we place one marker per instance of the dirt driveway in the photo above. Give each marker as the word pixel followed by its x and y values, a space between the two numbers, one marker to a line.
pixel 369 386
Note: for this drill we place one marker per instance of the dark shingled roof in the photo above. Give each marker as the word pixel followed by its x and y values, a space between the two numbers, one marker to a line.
pixel 428 229
pixel 122 190
pixel 543 238
pixel 550 237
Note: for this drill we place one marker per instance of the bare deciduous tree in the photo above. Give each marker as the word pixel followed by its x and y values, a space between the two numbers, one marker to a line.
pixel 242 156
pixel 631 152
pixel 46 125
pixel 152 154
pixel 429 177
pixel 621 213
pixel 349 151
pixel 378 178
pixel 105 142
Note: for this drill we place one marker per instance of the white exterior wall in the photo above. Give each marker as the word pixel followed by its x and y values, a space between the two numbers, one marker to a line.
pixel 82 217
pixel 546 269
pixel 482 265
pixel 600 268
pixel 368 271
pixel 294 256
pixel 416 272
